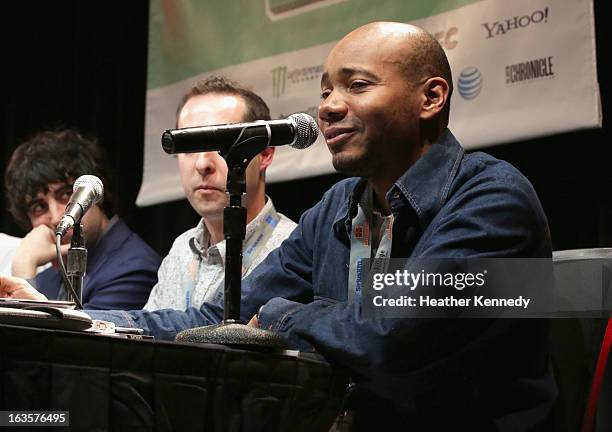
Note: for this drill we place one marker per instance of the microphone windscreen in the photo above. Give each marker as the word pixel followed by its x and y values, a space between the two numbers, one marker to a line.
pixel 306 130
pixel 93 182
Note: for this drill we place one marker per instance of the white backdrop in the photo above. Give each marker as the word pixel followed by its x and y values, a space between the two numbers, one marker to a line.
pixel 521 69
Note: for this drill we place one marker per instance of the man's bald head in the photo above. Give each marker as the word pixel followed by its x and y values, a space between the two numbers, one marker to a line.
pixel 409 47
pixel 384 95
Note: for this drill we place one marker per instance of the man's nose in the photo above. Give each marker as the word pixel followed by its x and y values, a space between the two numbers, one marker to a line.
pixel 206 162
pixel 56 211
pixel 332 108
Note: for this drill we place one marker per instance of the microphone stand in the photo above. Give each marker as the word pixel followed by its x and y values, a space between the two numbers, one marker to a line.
pixel 231 331
pixel 77 262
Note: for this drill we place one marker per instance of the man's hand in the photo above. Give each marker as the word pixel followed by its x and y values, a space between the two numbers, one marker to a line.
pixel 17 288
pixel 37 248
pixel 253 322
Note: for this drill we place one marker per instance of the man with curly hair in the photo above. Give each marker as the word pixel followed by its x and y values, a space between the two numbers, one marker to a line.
pixel 121 267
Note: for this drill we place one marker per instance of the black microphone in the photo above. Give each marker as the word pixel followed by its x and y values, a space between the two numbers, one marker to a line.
pixel 298 131
pixel 86 192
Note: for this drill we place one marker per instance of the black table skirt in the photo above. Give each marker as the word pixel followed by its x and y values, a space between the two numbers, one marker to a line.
pixel 111 384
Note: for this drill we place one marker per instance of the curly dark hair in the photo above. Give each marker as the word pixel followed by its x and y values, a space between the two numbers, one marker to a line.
pixel 257 109
pixel 51 157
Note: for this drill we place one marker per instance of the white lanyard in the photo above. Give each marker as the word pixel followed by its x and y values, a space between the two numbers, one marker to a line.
pixel 361 242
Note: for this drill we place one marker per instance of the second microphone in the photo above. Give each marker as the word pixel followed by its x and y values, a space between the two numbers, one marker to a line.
pixel 298 131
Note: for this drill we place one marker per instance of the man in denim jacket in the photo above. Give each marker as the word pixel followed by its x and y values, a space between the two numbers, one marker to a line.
pixel 384 113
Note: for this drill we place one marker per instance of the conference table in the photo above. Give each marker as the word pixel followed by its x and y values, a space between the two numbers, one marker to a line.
pixel 112 384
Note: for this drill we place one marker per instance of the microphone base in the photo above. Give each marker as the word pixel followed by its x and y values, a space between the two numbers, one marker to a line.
pixel 234 335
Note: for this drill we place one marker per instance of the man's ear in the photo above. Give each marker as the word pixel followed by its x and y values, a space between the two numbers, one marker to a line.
pixel 435 97
pixel 266 155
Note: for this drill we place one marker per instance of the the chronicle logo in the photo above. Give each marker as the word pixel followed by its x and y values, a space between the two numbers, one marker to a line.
pixel 530 70
pixel 498 28
pixel 469 83
pixel 282 76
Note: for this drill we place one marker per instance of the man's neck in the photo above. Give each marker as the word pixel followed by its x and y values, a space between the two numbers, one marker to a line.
pixel 380 189
pixel 254 207
pixel 215 230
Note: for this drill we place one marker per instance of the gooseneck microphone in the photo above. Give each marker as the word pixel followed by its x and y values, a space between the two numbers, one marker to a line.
pixel 298 131
pixel 86 192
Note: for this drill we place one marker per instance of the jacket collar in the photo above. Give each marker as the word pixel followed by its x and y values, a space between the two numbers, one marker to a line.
pixel 424 186
pixel 427 183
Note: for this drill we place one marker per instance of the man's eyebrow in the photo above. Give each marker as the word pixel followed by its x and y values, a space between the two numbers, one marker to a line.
pixel 349 71
pixel 352 70
pixel 33 201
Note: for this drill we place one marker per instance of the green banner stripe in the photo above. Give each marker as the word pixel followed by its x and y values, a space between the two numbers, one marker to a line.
pixel 189 37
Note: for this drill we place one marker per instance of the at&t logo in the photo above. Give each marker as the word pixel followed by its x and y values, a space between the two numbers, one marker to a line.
pixel 469 83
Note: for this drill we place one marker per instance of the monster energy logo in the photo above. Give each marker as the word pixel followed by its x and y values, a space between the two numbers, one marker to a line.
pixel 279 80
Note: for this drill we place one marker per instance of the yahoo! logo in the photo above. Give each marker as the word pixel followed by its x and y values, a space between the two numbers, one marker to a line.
pixel 498 28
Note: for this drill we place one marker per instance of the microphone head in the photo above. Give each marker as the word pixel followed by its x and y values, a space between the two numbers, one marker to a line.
pixel 168 142
pixel 306 130
pixel 86 192
pixel 92 182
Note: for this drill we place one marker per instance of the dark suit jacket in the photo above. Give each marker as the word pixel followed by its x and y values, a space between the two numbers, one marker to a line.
pixel 121 271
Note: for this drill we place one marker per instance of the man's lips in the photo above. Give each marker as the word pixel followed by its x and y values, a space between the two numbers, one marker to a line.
pixel 208 188
pixel 335 134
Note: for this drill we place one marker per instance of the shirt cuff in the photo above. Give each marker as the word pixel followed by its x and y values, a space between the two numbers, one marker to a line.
pixel 120 318
pixel 274 314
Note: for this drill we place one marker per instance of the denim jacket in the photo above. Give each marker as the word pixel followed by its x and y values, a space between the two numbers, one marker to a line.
pixel 448 204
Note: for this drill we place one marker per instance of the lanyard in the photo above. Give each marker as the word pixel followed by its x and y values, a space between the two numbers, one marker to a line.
pixel 362 237
pixel 251 249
